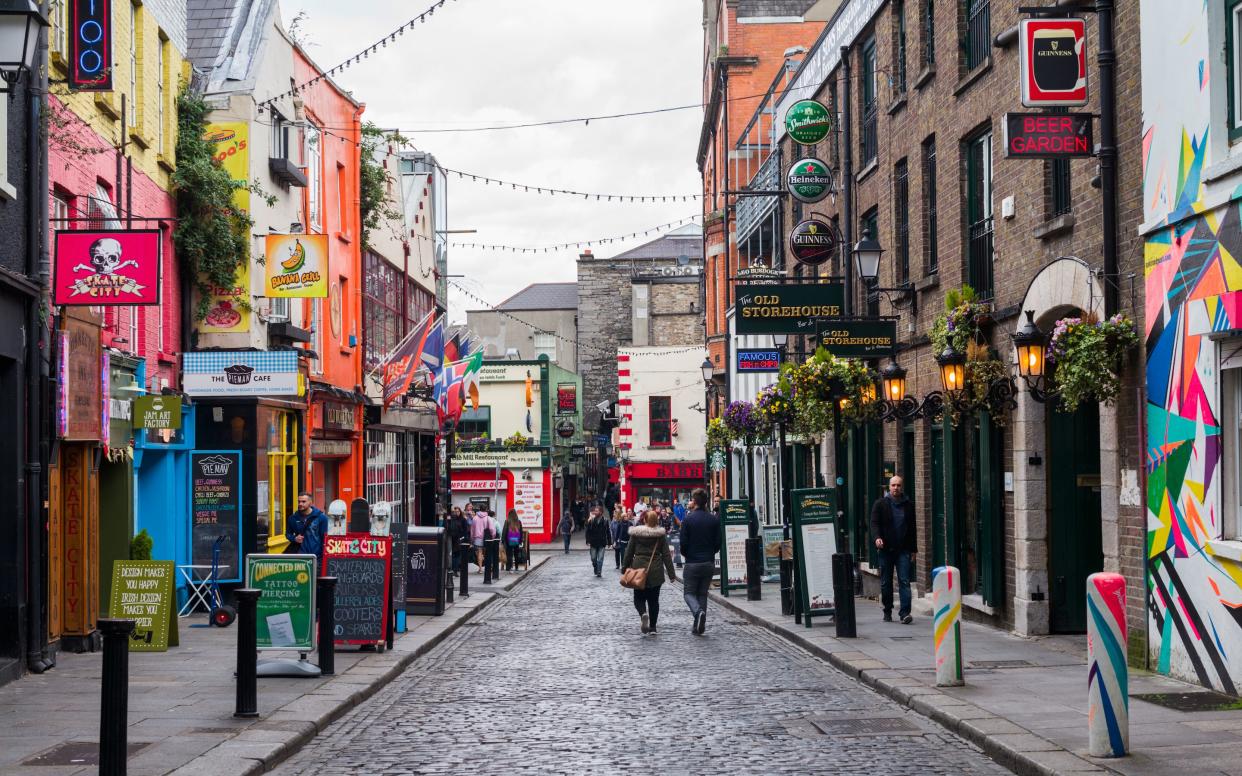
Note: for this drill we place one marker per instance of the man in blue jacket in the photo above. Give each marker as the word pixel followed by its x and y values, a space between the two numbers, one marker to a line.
pixel 306 529
pixel 700 541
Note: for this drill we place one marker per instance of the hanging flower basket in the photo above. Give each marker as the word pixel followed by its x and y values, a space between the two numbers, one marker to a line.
pixel 718 435
pixel 775 402
pixel 1085 357
pixel 958 327
pixel 744 422
pixel 517 441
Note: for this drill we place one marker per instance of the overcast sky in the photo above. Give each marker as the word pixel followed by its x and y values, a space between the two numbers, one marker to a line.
pixel 485 62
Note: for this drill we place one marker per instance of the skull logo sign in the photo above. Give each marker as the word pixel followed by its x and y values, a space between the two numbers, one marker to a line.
pixel 105 256
pixel 107 267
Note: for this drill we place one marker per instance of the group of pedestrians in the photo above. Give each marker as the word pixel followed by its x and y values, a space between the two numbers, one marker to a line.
pixel 479 527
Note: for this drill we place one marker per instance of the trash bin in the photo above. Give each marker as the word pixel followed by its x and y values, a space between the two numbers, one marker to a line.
pixel 427 558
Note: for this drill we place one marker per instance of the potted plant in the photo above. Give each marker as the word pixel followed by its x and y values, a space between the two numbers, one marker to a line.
pixel 1085 356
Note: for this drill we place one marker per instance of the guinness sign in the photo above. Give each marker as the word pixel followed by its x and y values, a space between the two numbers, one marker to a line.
pixel 808 122
pixel 810 180
pixel 813 242
pixel 1053 53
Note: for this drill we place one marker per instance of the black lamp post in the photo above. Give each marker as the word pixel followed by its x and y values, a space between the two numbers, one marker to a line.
pixel 20 21
pixel 1031 346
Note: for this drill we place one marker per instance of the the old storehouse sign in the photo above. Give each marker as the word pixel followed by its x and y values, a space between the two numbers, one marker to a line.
pixel 791 309
pixel 1053 53
pixel 808 122
pixel 813 242
pixel 107 267
pixel 810 180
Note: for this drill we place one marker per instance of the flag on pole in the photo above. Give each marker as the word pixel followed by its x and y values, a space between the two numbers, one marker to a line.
pixel 453 346
pixel 401 365
pixel 470 379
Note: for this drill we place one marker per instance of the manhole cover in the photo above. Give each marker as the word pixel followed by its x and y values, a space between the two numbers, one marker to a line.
pixel 1201 700
pixel 878 726
pixel 999 664
pixel 79 753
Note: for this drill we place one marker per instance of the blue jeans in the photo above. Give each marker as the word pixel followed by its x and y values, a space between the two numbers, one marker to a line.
pixel 905 568
pixel 597 559
pixel 566 538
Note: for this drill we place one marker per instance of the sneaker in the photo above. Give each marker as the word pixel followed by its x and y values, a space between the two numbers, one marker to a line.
pixel 646 623
pixel 700 623
pixel 888 617
pixel 907 620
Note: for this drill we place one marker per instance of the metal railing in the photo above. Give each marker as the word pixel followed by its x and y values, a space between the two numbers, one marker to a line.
pixel 979 258
pixel 977 45
pixel 752 210
pixel 870 144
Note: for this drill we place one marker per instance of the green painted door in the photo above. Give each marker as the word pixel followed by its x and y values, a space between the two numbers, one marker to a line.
pixel 937 496
pixel 1075 548
pixel 990 546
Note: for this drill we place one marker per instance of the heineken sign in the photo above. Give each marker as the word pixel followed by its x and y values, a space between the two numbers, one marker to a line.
pixel 770 308
pixel 813 242
pixel 808 122
pixel 860 339
pixel 810 180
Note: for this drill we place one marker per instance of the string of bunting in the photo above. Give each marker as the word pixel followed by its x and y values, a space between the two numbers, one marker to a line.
pixel 356 58
pixel 570 192
pixel 577 244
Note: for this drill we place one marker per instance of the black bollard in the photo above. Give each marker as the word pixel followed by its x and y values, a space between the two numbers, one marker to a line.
pixel 843 594
pixel 797 596
pixel 754 568
pixel 487 562
pixel 787 593
pixel 449 582
pixel 466 549
pixel 247 653
pixel 327 625
pixel 114 696
pixel 494 559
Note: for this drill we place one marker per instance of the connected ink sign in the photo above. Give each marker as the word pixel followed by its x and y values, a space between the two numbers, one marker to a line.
pixel 90 45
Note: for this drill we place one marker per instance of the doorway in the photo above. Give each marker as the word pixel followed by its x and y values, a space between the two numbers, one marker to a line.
pixel 937 497
pixel 1075 544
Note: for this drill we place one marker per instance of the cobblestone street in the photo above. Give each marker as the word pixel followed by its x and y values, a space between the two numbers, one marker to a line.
pixel 557 678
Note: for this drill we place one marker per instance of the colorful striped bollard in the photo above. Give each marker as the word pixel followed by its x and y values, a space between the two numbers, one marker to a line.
pixel 1108 680
pixel 947 625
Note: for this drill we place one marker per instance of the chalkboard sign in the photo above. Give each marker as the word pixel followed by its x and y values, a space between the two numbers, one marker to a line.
pixel 286 610
pixel 734 529
pixel 142 591
pixel 399 554
pixel 360 563
pixel 424 579
pixel 215 509
pixel 815 541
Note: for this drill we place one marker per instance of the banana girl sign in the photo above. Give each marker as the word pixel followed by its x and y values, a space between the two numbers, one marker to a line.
pixel 297 265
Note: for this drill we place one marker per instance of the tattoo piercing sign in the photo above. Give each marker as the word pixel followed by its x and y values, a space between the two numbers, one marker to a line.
pixel 107 267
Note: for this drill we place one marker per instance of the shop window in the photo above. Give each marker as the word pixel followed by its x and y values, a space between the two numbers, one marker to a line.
pixel 475 423
pixel 282 475
pixel 660 420
pixel 545 345
pixel 384 471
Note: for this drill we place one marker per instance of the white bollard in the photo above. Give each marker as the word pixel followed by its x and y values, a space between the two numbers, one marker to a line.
pixel 1108 679
pixel 947 625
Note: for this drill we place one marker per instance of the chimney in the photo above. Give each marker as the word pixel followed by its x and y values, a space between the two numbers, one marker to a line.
pixel 586 255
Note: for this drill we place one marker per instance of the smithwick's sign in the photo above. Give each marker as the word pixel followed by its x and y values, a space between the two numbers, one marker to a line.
pixel 789 309
pixel 808 122
pixel 813 242
pixel 1053 57
pixel 107 267
pixel 1048 136
pixel 810 180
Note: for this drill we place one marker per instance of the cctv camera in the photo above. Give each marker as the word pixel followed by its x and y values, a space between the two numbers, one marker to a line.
pixel 603 406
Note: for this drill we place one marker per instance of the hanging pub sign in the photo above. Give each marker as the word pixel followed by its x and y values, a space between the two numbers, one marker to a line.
pixel 1048 135
pixel 788 309
pixel 808 122
pixel 158 412
pixel 813 242
pixel 1053 56
pixel 296 266
pixel 810 180
pixel 566 398
pixel 90 45
pixel 107 267
pixel 860 339
pixel 758 360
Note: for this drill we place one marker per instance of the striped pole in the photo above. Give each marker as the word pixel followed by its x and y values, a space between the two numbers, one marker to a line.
pixel 1108 697
pixel 947 625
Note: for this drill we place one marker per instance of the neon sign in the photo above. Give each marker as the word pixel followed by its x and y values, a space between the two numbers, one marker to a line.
pixel 90 45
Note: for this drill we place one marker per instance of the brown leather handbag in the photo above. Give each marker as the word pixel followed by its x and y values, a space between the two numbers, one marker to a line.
pixel 636 579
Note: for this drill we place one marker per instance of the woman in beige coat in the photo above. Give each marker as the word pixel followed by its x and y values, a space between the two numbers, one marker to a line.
pixel 648 549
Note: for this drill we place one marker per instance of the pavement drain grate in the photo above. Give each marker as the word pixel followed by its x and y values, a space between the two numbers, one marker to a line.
pixel 80 753
pixel 1202 700
pixel 1000 664
pixel 875 726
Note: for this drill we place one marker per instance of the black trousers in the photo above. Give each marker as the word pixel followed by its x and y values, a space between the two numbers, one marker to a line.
pixel 648 601
pixel 619 549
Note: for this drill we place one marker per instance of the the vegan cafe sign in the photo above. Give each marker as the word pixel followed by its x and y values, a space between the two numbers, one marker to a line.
pixel 791 309
pixel 297 265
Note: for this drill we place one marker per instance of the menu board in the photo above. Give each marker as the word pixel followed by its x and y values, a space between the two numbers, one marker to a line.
pixel 142 591
pixel 400 554
pixel 528 502
pixel 815 542
pixel 360 563
pixel 773 535
pixel 286 610
pixel 215 509
pixel 735 528
pixel 424 574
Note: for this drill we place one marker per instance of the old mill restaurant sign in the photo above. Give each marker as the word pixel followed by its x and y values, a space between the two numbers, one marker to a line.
pixel 790 309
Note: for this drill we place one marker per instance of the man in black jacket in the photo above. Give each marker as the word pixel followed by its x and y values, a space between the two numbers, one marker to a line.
pixel 598 536
pixel 892 525
pixel 700 541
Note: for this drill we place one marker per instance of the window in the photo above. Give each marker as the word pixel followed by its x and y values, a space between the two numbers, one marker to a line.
pixel 60 209
pixel 870 108
pixel 278 310
pixel 931 257
pixel 545 344
pixel 281 129
pixel 928 28
pixel 316 325
pixel 384 471
pixel 100 210
pixel 977 42
pixel 282 474
pixel 382 324
pixel 660 420
pixel 59 19
pixel 1233 60
pixel 869 225
pixel 901 219
pixel 314 177
pixel 342 201
pixel 899 46
pixel 160 96
pixel 1057 201
pixel 135 40
pixel 979 213
pixel 475 423
pixel 6 188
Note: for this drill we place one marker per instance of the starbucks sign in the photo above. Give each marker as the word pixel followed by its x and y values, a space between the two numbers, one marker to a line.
pixel 813 242
pixel 810 180
pixel 808 122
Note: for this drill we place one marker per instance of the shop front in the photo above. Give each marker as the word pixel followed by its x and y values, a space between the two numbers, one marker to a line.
pixel 400 462
pixel 335 445
pixel 666 482
pixel 500 480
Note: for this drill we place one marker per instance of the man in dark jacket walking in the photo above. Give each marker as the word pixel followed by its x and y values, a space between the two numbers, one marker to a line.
pixel 892 525
pixel 306 528
pixel 598 536
pixel 700 541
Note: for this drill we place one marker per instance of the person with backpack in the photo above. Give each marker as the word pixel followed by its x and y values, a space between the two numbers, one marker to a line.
pixel 620 533
pixel 648 549
pixel 513 539
pixel 598 537
pixel 566 528
pixel 700 541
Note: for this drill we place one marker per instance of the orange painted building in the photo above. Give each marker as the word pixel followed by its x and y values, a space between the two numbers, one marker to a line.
pixel 331 208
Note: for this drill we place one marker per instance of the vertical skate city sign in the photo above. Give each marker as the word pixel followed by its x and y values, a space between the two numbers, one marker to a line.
pixel 90 45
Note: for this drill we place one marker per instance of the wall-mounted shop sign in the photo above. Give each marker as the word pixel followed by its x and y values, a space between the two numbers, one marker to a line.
pixel 1048 135
pixel 502 373
pixel 157 412
pixel 808 122
pixel 1053 57
pixel 331 448
pixel 296 265
pixel 337 416
pixel 83 373
pixel 241 373
pixel 107 267
pixel 692 470
pixel 790 309
pixel 810 180
pixel 566 398
pixel 90 45
pixel 672 271
pixel 758 360
pixel 814 242
pixel 566 429
pixel 226 305
pixel 860 339
pixel 506 459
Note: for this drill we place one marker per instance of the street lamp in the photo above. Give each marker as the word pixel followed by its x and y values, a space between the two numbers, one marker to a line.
pixel 1031 346
pixel 19 39
pixel 867 252
pixel 894 379
pixel 952 371
pixel 708 370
